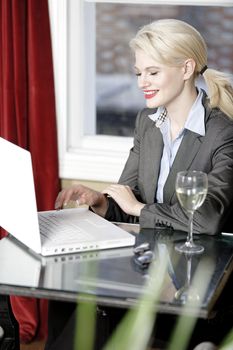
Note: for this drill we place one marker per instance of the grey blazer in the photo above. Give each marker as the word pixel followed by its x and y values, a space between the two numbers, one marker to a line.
pixel 212 153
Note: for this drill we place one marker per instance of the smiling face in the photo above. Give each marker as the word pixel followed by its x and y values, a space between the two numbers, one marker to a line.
pixel 162 85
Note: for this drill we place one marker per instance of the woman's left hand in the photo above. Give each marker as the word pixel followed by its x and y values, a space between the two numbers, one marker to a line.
pixel 125 198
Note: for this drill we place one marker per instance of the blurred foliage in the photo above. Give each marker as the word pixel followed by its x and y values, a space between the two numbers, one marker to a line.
pixel 134 331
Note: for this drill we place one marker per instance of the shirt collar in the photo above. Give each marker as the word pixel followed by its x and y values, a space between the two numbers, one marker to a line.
pixel 196 118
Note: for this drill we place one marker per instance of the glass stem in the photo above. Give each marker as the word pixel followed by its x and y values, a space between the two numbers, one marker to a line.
pixel 190 229
pixel 189 266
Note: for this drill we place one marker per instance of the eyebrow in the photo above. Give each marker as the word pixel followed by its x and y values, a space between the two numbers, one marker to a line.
pixel 150 67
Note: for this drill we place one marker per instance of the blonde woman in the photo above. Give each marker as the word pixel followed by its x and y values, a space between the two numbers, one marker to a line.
pixel 181 128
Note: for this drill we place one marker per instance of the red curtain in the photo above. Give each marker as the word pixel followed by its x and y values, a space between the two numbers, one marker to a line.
pixel 28 119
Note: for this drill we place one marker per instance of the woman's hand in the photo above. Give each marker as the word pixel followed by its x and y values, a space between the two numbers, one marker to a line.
pixel 83 195
pixel 125 198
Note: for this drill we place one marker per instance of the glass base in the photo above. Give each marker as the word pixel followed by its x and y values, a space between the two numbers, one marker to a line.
pixel 187 294
pixel 188 248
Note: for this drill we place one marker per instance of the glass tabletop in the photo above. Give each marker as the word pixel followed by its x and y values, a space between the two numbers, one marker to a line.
pixel 112 276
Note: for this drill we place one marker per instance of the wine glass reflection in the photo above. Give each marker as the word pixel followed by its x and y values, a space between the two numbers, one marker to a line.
pixel 188 292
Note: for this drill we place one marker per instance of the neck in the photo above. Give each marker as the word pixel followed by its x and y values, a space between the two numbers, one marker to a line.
pixel 179 110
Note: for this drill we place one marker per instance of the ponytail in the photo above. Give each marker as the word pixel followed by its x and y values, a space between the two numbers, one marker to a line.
pixel 220 90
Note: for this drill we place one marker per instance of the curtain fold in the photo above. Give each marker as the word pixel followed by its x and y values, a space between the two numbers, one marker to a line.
pixel 28 119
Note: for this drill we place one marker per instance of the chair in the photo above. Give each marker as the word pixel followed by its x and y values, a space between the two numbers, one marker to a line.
pixel 9 329
pixel 1 335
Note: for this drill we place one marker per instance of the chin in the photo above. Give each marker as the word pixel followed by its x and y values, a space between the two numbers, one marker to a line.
pixel 152 104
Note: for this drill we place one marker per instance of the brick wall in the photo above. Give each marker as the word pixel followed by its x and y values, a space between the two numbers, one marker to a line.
pixel 118 23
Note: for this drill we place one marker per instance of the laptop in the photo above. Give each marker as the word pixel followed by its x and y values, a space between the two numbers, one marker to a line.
pixel 49 232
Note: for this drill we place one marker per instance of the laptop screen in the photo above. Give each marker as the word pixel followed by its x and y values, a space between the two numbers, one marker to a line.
pixel 18 203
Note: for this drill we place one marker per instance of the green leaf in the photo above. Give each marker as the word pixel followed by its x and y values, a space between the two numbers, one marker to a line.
pixel 85 326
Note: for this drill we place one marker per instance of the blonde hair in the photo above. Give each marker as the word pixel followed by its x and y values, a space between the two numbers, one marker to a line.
pixel 172 42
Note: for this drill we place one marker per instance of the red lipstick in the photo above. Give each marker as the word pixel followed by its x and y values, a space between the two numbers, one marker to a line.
pixel 149 94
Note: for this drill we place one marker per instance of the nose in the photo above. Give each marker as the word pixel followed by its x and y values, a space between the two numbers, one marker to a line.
pixel 143 81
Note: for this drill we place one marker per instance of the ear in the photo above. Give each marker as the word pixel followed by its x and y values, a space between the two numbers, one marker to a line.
pixel 189 68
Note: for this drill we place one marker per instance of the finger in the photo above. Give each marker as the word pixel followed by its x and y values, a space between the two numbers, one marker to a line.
pixel 59 201
pixel 69 194
pixel 85 198
pixel 63 198
pixel 108 191
pixel 106 194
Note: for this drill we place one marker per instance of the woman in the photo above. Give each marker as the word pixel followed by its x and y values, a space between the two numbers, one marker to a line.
pixel 181 128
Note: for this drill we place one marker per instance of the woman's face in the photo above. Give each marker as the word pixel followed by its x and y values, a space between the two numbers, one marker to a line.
pixel 162 85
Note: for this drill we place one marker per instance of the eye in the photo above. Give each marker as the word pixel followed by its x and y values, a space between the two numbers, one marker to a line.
pixel 153 73
pixel 138 74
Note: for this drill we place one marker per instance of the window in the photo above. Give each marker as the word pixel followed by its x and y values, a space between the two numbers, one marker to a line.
pixel 96 92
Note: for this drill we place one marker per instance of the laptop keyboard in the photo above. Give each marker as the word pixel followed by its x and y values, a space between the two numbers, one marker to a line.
pixel 55 229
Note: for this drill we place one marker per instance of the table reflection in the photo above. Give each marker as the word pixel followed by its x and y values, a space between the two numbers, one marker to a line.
pixel 112 275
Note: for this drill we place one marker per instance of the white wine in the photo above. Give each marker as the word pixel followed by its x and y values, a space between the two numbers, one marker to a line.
pixel 191 199
pixel 191 190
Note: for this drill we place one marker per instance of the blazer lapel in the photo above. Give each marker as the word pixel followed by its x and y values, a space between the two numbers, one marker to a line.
pixel 154 147
pixel 187 151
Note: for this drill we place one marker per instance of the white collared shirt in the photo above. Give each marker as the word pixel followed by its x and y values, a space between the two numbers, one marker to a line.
pixel 195 123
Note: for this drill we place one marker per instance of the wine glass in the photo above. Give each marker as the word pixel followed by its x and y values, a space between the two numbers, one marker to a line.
pixel 191 190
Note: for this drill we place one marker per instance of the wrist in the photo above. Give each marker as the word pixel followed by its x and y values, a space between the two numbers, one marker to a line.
pixel 138 208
